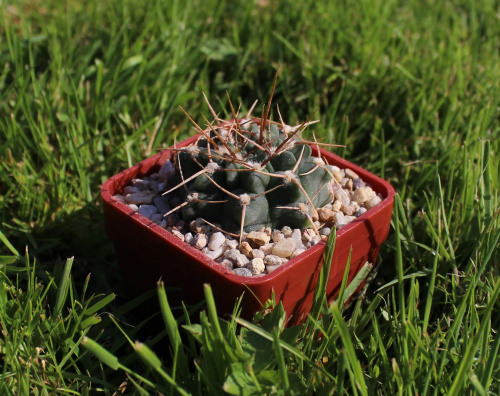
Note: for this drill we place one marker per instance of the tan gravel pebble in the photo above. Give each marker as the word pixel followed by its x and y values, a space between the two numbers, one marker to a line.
pixel 259 238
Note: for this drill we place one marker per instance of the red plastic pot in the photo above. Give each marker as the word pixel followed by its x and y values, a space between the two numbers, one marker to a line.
pixel 146 252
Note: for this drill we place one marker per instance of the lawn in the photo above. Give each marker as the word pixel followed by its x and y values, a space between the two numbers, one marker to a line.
pixel 411 88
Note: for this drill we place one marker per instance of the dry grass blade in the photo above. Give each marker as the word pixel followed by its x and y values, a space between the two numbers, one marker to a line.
pixel 266 113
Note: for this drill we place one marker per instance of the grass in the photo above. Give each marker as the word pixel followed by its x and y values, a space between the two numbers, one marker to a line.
pixel 411 88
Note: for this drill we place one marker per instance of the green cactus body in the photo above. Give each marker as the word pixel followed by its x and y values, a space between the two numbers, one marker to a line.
pixel 253 181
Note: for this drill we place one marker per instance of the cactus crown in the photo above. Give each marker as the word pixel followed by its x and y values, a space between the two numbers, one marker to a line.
pixel 249 173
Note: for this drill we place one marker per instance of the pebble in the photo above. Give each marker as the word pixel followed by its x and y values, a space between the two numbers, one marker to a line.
pixel 348 210
pixel 232 244
pixel 215 253
pixel 242 271
pixel 140 198
pixel 277 236
pixel 342 196
pixel 326 215
pixel 259 238
pixel 297 236
pixel 297 252
pixel 284 247
pixel 130 190
pixel 257 253
pixel 226 263
pixel 256 266
pixel 361 211
pixel 271 268
pixel 325 231
pixel 362 194
pixel 134 207
pixel 272 260
pixel 238 259
pixel 148 211
pixel 162 205
pixel 336 206
pixel 351 174
pixel 119 198
pixel 188 238
pixel 167 167
pixel 267 248
pixel 216 240
pixel 357 183
pixel 372 202
pixel 337 174
pixel 308 234
pixel 286 231
pixel 178 234
pixel 200 241
pixel 141 184
pixel 246 249
pixel 158 218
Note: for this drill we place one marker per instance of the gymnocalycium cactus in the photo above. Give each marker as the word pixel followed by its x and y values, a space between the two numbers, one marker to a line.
pixel 249 173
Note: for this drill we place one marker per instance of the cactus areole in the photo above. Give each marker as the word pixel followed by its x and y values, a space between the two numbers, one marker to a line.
pixel 245 175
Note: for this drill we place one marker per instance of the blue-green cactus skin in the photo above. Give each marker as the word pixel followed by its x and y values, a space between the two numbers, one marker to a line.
pixel 265 209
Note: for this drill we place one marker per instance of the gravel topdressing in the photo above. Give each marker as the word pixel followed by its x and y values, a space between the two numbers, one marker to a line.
pixel 258 252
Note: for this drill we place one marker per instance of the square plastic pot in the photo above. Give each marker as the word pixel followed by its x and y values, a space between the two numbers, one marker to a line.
pixel 146 252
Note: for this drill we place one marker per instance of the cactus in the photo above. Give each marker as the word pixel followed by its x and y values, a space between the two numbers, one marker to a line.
pixel 250 173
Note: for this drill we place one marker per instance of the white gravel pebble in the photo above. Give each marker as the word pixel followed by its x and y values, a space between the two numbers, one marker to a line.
pixel 343 197
pixel 257 253
pixel 188 238
pixel 134 207
pixel 216 253
pixel 372 202
pixel 271 268
pixel 216 240
pixel 284 247
pixel 297 252
pixel 351 174
pixel 361 211
pixel 286 231
pixel 297 236
pixel 178 234
pixel 232 243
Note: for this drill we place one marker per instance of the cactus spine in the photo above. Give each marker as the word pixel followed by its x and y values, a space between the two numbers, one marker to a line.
pixel 250 173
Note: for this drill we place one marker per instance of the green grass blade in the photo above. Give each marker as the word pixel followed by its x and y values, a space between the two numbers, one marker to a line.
pixel 101 353
pixel 63 287
pixel 357 376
